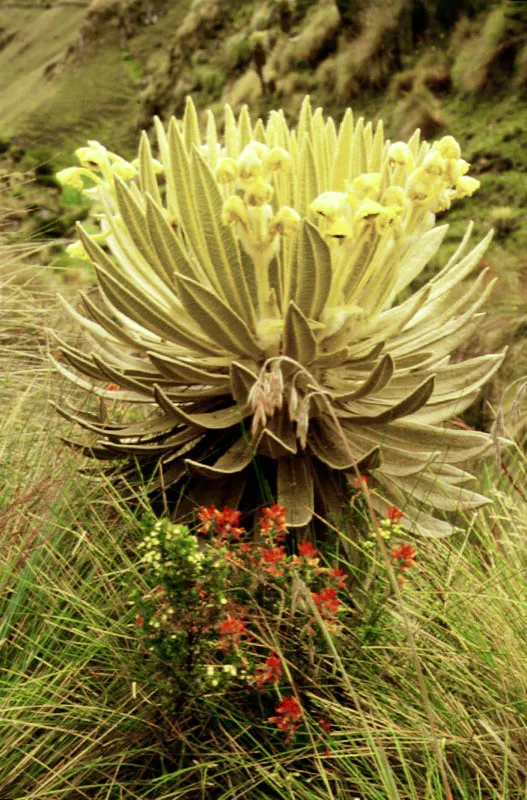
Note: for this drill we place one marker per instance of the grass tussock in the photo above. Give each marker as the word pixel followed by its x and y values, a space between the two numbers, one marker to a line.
pixel 492 53
pixel 317 37
pixel 419 109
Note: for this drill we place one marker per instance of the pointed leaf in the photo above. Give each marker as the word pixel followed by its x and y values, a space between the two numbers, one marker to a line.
pixel 377 380
pixel 314 272
pixel 213 420
pixel 134 219
pixel 216 319
pixel 242 380
pixel 298 340
pixel 221 245
pixel 404 408
pixel 147 173
pixel 295 489
pixel 234 460
pixel 167 246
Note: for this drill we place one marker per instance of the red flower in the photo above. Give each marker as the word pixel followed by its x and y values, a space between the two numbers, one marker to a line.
pixel 208 517
pixel 202 593
pixel 232 629
pixel 338 574
pixel 272 558
pixel 273 517
pixel 405 555
pixel 228 520
pixel 306 550
pixel 112 387
pixel 326 601
pixel 394 514
pixel 270 672
pixel 361 481
pixel 139 622
pixel 224 523
pixel 325 724
pixel 289 714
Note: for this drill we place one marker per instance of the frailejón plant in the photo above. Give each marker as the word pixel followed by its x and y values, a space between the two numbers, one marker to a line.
pixel 255 297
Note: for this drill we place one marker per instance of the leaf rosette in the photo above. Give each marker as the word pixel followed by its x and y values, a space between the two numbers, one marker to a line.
pixel 255 297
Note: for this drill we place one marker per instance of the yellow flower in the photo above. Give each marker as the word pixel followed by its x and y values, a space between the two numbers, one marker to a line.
pixel 278 160
pixel 434 164
pixel 395 196
pixel 227 170
pixel 76 250
pixel 387 219
pixel 286 222
pixel 447 147
pixel 340 229
pixel 93 156
pixel 367 185
pixel 72 176
pixel 400 154
pixel 259 192
pixel 122 168
pixel 234 211
pixel 329 205
pixel 466 186
pixel 420 185
pixel 368 210
pixel 250 163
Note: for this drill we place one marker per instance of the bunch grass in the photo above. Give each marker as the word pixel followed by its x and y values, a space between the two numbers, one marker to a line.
pixel 80 713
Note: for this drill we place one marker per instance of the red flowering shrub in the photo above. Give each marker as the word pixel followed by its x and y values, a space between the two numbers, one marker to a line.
pixel 216 595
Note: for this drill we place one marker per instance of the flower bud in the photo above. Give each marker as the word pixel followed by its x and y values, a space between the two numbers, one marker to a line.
pixel 93 156
pixel 249 164
pixel 420 185
pixel 341 228
pixel 394 196
pixel 433 164
pixel 293 403
pixel 368 210
pixel 387 220
pixel 227 170
pixel 454 169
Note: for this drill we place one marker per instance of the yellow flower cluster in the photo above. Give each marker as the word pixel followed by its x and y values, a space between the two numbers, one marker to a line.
pixel 99 166
pixel 393 200
pixel 251 213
